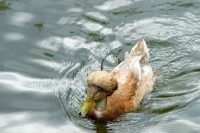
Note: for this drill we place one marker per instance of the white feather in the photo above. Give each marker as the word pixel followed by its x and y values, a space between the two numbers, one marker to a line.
pixel 98 113
pixel 135 66
pixel 147 71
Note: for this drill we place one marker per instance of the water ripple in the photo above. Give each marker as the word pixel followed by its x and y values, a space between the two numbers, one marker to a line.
pixel 110 5
pixel 49 48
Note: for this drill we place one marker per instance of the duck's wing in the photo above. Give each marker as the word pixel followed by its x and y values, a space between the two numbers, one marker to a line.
pixel 134 63
pixel 134 76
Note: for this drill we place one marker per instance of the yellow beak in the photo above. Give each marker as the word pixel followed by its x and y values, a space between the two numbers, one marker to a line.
pixel 87 105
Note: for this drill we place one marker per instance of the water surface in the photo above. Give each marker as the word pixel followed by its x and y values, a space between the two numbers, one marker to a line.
pixel 48 48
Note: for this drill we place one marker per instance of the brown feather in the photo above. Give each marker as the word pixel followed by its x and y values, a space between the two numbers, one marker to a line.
pixel 102 79
pixel 121 101
pixel 124 90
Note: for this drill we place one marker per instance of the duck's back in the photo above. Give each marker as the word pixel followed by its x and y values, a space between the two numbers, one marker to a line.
pixel 134 76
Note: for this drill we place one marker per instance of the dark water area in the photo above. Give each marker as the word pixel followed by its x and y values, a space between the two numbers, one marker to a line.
pixel 48 48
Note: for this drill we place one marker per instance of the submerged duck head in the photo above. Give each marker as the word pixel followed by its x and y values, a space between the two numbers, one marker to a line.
pixel 101 84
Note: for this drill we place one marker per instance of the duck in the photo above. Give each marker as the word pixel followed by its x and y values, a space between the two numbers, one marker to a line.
pixel 115 93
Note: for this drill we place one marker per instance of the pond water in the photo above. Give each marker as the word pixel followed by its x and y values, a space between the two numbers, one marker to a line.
pixel 48 48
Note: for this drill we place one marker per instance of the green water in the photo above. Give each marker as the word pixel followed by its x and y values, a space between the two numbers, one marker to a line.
pixel 48 48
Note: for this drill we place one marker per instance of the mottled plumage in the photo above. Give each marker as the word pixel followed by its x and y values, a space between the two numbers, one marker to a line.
pixel 120 91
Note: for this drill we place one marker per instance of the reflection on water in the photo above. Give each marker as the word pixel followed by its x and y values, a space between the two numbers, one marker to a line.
pixel 14 36
pixel 49 48
pixel 21 18
pixel 39 26
pixel 5 4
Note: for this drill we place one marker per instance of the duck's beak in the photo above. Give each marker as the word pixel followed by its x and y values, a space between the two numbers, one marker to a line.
pixel 87 105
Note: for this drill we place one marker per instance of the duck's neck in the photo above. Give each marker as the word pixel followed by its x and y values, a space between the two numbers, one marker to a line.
pixel 101 105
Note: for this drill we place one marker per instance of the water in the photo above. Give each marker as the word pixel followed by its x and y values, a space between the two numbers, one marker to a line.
pixel 48 48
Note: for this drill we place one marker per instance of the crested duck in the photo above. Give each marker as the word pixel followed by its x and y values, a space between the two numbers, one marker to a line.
pixel 111 94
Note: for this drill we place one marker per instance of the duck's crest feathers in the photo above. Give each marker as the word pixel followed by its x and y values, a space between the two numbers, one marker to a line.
pixel 102 79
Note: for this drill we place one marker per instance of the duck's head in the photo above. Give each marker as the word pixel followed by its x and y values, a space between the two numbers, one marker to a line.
pixel 101 84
